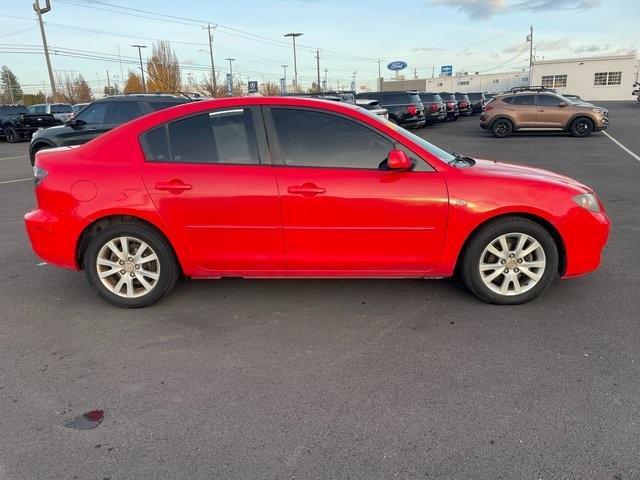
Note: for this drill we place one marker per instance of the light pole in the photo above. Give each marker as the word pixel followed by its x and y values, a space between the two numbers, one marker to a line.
pixel 140 47
pixel 39 11
pixel 213 70
pixel 295 62
pixel 285 75
pixel 230 71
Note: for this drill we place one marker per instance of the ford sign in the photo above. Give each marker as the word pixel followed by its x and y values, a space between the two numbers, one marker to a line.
pixel 397 65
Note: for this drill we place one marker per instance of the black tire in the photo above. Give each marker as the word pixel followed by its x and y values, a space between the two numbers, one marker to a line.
pixel 486 235
pixel 11 135
pixel 169 268
pixel 36 149
pixel 502 128
pixel 582 127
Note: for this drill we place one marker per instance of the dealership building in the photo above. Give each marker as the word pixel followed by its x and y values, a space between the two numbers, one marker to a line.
pixel 592 78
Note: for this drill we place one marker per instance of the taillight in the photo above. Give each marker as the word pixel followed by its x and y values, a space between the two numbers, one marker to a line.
pixel 451 105
pixel 39 175
pixel 433 107
pixel 463 104
pixel 412 110
pixel 486 108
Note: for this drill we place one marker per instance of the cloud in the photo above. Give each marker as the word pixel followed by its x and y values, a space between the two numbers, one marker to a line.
pixel 591 48
pixel 480 9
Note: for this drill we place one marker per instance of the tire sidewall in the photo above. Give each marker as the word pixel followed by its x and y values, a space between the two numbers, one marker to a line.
pixel 500 121
pixel 11 135
pixel 575 123
pixel 470 265
pixel 169 270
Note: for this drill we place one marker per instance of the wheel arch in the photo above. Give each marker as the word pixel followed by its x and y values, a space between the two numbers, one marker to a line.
pixel 502 117
pixel 98 224
pixel 574 117
pixel 544 223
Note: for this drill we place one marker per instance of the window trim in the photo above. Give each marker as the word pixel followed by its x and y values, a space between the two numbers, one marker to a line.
pixel 258 126
pixel 276 152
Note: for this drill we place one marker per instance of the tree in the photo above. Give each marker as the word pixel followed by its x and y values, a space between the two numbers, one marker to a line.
pixel 270 89
pixel 73 89
pixel 163 69
pixel 112 90
pixel 133 83
pixel 33 99
pixel 10 90
pixel 82 90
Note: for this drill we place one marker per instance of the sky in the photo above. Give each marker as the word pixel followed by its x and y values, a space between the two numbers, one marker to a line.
pixel 352 35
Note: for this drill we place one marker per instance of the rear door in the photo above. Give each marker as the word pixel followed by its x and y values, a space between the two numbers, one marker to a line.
pixel 207 177
pixel 524 110
pixel 92 121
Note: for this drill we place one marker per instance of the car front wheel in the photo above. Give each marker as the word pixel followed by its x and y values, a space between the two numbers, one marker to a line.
pixel 510 261
pixel 130 265
pixel 582 127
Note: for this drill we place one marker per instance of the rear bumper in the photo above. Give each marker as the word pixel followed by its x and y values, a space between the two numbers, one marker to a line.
pixel 52 238
pixel 585 237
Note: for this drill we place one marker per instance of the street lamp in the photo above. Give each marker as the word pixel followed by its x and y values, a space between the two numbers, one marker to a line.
pixel 231 66
pixel 295 63
pixel 139 47
pixel 284 67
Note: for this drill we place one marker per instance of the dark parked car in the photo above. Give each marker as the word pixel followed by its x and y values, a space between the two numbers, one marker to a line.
pixel 99 117
pixel 451 103
pixel 478 100
pixel 373 106
pixel 434 108
pixel 404 107
pixel 62 111
pixel 16 123
pixel 464 104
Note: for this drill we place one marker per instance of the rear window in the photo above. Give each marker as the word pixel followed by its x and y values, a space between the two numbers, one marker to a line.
pixel 506 99
pixel 437 98
pixel 397 98
pixel 13 109
pixel 428 97
pixel 414 98
pixel 61 108
pixel 523 100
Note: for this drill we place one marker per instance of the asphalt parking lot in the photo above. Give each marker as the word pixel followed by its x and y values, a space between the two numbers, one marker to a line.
pixel 327 378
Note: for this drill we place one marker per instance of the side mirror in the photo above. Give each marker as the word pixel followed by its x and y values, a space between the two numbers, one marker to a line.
pixel 76 123
pixel 398 160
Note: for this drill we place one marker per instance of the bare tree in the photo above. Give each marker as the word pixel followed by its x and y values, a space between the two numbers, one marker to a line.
pixel 163 69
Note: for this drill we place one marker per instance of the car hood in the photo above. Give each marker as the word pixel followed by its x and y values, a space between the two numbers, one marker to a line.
pixel 510 170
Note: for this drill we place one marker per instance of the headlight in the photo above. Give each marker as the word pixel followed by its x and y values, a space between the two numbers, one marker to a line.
pixel 36 133
pixel 588 201
pixel 599 110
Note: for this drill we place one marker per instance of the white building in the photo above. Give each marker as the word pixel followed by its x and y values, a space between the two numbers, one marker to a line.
pixel 593 78
pixel 462 82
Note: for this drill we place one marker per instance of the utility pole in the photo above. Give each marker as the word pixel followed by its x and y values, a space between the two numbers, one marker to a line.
pixel 98 77
pixel 214 82
pixel 326 84
pixel 230 68
pixel 295 61
pixel 285 74
pixel 433 71
pixel 530 38
pixel 140 47
pixel 318 68
pixel 120 60
pixel 39 12
pixel 379 75
pixel 10 89
pixel 108 83
pixel 415 73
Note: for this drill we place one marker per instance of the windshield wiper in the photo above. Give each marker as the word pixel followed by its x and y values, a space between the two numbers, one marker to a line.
pixel 461 160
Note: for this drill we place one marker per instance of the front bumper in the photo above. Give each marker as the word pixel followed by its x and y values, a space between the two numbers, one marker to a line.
pixel 585 236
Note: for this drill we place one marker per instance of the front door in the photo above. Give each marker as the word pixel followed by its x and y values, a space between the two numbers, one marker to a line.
pixel 551 112
pixel 342 212
pixel 204 175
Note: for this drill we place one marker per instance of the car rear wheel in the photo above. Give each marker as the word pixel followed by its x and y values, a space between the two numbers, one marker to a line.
pixel 130 265
pixel 510 261
pixel 502 128
pixel 582 127
pixel 11 135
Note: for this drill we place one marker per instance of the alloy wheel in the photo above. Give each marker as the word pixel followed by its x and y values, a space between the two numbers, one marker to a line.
pixel 512 264
pixel 128 267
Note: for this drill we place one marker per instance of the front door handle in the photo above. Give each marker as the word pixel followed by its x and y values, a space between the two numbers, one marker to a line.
pixel 306 189
pixel 173 186
pixel 541 110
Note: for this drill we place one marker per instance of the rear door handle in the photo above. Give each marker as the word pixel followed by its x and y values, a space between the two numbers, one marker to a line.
pixel 173 186
pixel 541 110
pixel 306 189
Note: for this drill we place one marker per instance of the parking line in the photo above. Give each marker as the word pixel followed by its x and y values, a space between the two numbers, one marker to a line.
pixel 13 158
pixel 622 146
pixel 15 181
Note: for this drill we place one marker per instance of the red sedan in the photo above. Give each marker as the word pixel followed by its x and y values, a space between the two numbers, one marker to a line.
pixel 296 187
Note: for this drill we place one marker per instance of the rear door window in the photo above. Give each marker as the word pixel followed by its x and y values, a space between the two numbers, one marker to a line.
pixel 94 114
pixel 122 112
pixel 549 101
pixel 61 108
pixel 396 98
pixel 523 100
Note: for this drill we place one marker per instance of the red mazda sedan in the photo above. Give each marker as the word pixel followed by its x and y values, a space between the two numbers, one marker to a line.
pixel 296 187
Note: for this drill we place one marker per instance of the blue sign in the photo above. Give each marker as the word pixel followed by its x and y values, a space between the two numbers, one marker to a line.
pixel 229 85
pixel 397 65
pixel 446 70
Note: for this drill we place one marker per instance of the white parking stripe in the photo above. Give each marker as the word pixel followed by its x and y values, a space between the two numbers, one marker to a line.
pixel 18 180
pixel 622 146
pixel 13 158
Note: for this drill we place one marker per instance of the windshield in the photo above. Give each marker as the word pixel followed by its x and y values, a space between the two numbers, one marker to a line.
pixel 61 108
pixel 429 147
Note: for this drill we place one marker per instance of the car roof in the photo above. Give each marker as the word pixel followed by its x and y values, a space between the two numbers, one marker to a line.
pixel 144 97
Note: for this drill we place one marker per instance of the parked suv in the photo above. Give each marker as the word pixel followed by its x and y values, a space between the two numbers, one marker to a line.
pixel 99 117
pixel 464 104
pixel 434 108
pixel 477 100
pixel 541 111
pixel 62 111
pixel 404 107
pixel 451 104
